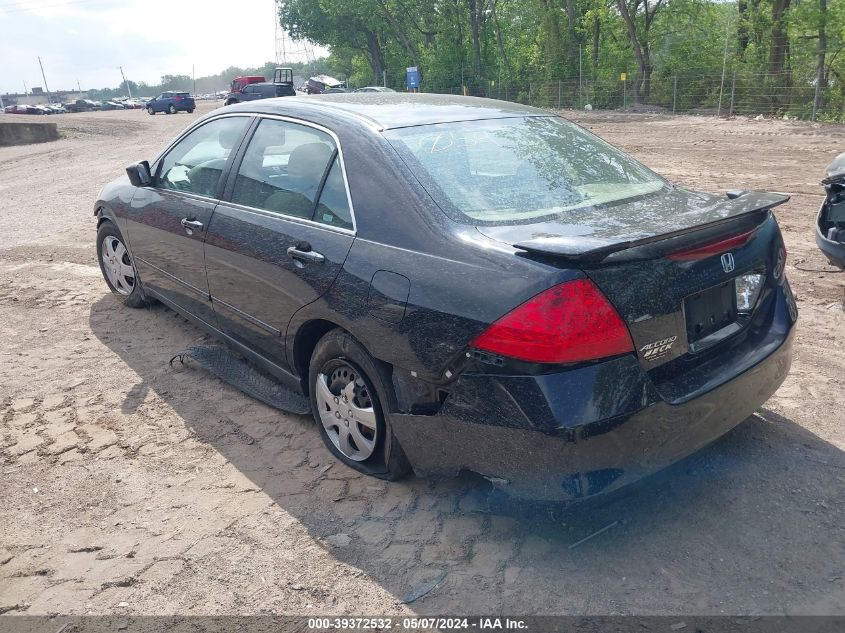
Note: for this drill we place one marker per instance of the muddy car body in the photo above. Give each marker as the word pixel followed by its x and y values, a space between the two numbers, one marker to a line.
pixel 477 285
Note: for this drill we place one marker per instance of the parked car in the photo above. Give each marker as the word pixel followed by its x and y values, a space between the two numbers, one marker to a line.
pixel 374 89
pixel 29 109
pixel 266 90
pixel 111 105
pixel 171 103
pixel 509 294
pixel 319 84
pixel 81 105
pixel 10 109
pixel 334 91
pixel 239 83
pixel 830 223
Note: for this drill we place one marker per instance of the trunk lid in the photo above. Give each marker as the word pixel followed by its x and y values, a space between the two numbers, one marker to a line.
pixel 590 235
pixel 660 262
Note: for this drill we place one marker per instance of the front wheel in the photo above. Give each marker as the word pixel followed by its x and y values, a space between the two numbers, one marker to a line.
pixel 117 267
pixel 150 111
pixel 347 391
pixel 172 109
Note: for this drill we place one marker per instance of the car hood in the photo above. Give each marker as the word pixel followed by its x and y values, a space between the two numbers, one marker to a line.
pixel 594 232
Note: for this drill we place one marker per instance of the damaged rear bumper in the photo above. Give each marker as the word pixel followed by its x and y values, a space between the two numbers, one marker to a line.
pixel 592 430
pixel 834 251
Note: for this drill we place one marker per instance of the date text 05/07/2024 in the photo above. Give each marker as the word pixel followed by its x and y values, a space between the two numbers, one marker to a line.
pixel 417 623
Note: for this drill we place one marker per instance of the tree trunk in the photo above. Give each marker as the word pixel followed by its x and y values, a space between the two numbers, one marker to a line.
pixel 742 27
pixel 500 43
pixel 476 38
pixel 376 57
pixel 780 38
pixel 571 31
pixel 400 32
pixel 642 89
pixel 596 42
pixel 643 64
pixel 821 74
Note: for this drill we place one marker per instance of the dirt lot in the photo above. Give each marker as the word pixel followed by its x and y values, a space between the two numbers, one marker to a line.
pixel 129 486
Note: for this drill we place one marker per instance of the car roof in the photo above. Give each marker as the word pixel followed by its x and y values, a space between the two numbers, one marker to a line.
pixel 386 110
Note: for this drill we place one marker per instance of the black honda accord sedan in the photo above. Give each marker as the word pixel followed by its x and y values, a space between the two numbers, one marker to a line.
pixel 462 284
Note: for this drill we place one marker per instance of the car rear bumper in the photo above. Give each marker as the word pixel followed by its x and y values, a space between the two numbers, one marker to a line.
pixel 834 251
pixel 594 429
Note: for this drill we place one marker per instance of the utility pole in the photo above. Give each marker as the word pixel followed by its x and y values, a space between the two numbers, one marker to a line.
pixel 25 91
pixel 194 77
pixel 44 77
pixel 78 86
pixel 128 89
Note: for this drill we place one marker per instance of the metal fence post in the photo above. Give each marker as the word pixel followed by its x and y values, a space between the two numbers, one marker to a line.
pixel 674 93
pixel 580 77
pixel 558 93
pixel 816 96
pixel 733 93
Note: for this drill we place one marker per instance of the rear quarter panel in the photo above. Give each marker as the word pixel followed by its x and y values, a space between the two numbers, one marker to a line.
pixel 459 280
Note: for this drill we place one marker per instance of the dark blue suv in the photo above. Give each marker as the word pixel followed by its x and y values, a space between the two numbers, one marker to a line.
pixel 171 103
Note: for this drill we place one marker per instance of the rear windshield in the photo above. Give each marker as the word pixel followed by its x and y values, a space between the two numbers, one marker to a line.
pixel 506 171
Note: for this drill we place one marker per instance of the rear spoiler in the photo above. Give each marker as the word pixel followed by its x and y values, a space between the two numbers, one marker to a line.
pixel 594 250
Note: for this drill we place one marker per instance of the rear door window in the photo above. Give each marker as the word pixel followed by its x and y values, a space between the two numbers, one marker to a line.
pixel 333 207
pixel 283 168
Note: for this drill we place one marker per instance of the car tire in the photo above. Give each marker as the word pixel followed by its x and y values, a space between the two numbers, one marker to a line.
pixel 150 111
pixel 172 109
pixel 348 391
pixel 112 255
pixel 191 111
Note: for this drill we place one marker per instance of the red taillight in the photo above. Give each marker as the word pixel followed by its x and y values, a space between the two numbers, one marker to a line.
pixel 569 323
pixel 178 98
pixel 712 248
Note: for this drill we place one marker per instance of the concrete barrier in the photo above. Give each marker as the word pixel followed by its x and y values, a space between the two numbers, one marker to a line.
pixel 26 132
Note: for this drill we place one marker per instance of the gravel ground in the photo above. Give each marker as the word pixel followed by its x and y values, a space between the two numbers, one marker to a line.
pixel 132 487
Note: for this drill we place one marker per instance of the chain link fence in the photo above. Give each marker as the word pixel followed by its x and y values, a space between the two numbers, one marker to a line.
pixel 736 93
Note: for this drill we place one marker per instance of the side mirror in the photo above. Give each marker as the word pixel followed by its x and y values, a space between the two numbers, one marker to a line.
pixel 139 174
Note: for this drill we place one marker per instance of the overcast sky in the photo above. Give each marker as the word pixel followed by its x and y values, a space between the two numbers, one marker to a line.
pixel 87 40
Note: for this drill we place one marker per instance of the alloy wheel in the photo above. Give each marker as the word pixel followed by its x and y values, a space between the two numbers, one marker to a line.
pixel 117 265
pixel 346 411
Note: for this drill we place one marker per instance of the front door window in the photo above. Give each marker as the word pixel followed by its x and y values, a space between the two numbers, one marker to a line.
pixel 195 163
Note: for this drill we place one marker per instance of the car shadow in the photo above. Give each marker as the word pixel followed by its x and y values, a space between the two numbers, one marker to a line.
pixel 752 524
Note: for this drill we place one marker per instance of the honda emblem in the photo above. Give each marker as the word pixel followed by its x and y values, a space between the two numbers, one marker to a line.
pixel 728 262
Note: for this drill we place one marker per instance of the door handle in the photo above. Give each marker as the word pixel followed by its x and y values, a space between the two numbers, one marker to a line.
pixel 191 225
pixel 306 256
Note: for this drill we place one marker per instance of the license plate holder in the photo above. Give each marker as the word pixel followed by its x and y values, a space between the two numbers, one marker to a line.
pixel 710 310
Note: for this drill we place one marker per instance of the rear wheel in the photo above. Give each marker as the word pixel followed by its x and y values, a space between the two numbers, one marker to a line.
pixel 117 267
pixel 191 111
pixel 172 109
pixel 347 392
